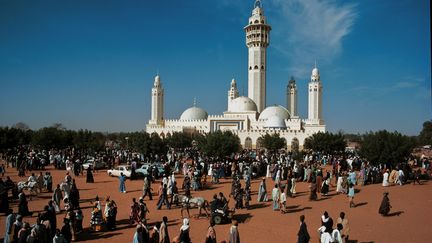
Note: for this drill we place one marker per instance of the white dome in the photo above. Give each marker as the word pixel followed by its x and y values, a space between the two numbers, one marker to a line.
pixel 275 122
pixel 242 104
pixel 275 110
pixel 194 113
pixel 315 71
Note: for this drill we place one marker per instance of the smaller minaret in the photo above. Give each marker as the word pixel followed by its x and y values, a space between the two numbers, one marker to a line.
pixel 292 97
pixel 315 98
pixel 157 106
pixel 232 93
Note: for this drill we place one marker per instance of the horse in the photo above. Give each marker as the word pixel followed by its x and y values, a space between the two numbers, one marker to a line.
pixel 31 186
pixel 193 202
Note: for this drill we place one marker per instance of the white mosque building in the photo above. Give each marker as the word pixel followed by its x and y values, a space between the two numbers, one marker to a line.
pixel 248 117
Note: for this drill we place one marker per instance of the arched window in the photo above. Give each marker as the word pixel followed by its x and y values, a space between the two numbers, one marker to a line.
pixel 256 67
pixel 256 21
pixel 248 143
pixel 162 135
pixel 262 67
pixel 259 143
pixel 250 67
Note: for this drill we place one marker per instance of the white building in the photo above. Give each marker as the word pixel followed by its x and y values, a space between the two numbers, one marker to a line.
pixel 248 117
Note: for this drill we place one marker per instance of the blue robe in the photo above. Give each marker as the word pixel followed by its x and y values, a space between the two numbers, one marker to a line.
pixel 122 180
pixel 137 238
pixel 10 219
pixel 262 193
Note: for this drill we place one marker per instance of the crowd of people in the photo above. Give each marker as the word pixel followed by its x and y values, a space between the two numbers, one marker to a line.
pixel 285 170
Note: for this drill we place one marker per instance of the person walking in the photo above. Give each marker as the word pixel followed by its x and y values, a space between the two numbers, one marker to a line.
pixel 345 224
pixel 147 188
pixel 351 195
pixel 163 198
pixel 303 234
pixel 184 232
pixel 10 219
pixel 275 197
pixel 385 206
pixel 211 233
pixel 234 235
pixel 262 191
pixel 163 231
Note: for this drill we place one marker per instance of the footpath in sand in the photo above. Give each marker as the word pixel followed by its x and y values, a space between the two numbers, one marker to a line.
pixel 411 208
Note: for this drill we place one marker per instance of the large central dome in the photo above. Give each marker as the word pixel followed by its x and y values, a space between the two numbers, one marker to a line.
pixel 194 113
pixel 242 104
pixel 275 110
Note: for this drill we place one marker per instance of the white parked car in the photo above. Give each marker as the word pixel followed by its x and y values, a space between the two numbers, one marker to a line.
pixel 125 169
pixel 99 165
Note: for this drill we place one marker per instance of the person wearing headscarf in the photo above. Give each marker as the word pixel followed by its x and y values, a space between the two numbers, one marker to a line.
pixel 275 197
pixel 385 206
pixel 57 197
pixel 234 235
pixel 211 233
pixel 327 221
pixel 262 192
pixel 386 178
pixel 163 231
pixel 345 224
pixel 184 232
pixel 90 178
pixel 10 219
pixel 138 234
pixel 23 209
pixel 74 196
pixel 303 234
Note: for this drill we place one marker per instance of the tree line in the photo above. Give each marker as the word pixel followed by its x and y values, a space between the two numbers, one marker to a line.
pixel 378 147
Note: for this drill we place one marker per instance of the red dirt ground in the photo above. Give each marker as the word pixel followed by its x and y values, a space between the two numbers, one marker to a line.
pixel 261 224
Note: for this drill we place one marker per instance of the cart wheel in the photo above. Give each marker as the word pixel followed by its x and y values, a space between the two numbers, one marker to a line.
pixel 217 219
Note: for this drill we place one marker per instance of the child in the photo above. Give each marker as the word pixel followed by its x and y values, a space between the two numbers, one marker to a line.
pixel 351 195
pixel 282 201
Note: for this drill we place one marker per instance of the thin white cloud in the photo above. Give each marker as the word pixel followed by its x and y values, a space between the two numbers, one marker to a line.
pixel 310 29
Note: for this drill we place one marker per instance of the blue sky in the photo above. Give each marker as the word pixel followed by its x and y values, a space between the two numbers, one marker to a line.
pixel 91 64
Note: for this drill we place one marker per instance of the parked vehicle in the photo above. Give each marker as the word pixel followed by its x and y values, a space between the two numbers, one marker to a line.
pixel 125 169
pixel 157 168
pixel 98 165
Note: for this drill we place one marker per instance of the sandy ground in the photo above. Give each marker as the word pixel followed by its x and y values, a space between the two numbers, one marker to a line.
pixel 261 224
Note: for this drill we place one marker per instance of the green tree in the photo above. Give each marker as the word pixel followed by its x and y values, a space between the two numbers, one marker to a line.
pixel 273 142
pixel 12 137
pixel 179 140
pixel 219 144
pixel 140 142
pixel 425 136
pixel 386 147
pixel 52 137
pixel 157 144
pixel 326 142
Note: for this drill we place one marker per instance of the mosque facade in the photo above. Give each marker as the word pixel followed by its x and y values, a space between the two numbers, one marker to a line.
pixel 248 117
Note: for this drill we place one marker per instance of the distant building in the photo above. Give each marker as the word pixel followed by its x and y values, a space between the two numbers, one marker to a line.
pixel 248 117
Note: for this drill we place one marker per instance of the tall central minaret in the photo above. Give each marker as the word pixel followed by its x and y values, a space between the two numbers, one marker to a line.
pixel 257 40
pixel 157 104
pixel 315 98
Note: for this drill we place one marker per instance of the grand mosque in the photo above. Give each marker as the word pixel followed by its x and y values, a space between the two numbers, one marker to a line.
pixel 248 117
